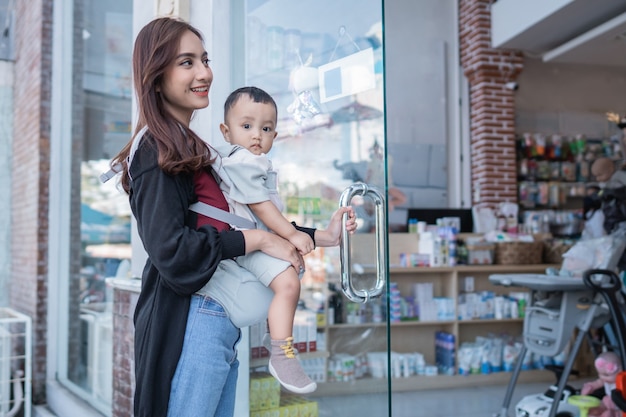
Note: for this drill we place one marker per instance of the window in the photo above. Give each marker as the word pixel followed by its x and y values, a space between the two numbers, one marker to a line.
pixel 95 239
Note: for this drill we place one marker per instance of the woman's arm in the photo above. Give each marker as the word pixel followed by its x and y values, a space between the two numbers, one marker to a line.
pixel 278 247
pixel 272 245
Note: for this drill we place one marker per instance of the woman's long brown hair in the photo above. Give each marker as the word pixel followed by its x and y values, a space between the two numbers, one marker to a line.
pixel 179 148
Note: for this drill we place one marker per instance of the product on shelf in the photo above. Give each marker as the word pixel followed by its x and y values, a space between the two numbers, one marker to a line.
pixel 305 329
pixel 445 353
pixel 264 392
pixel 480 253
pixel 490 354
pixel 403 365
pixel 259 333
pixel 356 341
pixel 335 305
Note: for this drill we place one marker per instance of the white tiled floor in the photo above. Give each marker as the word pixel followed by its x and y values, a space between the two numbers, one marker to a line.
pixel 467 402
pixel 484 401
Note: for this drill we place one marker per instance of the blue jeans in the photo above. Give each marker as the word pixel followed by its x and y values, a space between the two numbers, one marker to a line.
pixel 205 380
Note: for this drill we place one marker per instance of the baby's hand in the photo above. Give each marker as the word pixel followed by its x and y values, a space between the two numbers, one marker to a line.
pixel 302 242
pixel 586 389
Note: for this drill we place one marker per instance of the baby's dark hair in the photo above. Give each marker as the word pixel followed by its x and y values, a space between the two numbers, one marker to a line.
pixel 256 94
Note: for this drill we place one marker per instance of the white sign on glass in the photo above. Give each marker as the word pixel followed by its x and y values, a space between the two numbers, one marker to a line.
pixel 347 76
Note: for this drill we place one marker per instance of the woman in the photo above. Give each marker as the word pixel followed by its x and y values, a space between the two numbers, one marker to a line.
pixel 185 345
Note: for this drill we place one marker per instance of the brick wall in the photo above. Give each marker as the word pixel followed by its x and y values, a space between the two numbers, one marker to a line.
pixel 492 105
pixel 124 303
pixel 30 170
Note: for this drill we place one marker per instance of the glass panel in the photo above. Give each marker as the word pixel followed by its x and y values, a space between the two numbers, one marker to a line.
pixel 322 63
pixel 422 87
pixel 100 246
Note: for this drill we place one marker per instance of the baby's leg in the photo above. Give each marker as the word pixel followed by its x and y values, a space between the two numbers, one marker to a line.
pixel 284 364
pixel 286 287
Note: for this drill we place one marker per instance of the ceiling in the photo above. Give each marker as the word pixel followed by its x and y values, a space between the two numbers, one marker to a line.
pixel 579 31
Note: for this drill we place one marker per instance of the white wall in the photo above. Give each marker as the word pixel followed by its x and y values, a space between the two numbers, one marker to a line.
pixel 569 98
pixel 422 93
pixel 510 18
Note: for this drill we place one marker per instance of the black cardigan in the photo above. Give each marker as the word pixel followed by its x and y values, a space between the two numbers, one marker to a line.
pixel 181 260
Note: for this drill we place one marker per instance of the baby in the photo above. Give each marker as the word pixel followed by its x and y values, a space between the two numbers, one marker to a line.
pixel 250 186
pixel 607 365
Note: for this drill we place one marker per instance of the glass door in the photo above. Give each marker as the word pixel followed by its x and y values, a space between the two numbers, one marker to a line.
pixel 322 62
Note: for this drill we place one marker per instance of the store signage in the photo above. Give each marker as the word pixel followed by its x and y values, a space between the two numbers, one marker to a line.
pixel 347 76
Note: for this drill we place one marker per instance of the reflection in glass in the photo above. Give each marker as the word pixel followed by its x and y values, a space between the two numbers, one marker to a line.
pixel 100 243
pixel 322 63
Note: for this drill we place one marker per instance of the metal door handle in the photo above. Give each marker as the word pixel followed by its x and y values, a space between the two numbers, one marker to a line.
pixel 354 294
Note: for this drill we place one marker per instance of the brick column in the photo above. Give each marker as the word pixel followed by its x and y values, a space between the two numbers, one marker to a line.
pixel 492 105
pixel 124 302
pixel 30 175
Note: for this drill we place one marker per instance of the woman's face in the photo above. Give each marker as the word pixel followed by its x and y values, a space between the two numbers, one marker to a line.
pixel 186 81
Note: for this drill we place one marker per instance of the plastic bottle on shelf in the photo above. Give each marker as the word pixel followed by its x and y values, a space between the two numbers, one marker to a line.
pixel 311 330
pixel 443 246
pixel 321 315
pixel 335 306
pixel 305 328
pixel 452 246
pixel 377 312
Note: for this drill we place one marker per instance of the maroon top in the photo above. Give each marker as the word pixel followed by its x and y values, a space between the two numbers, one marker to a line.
pixel 208 191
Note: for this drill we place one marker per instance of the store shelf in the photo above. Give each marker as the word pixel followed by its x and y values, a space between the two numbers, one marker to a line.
pixel 419 383
pixel 465 269
pixel 419 336
pixel 257 363
pixel 489 321
pixel 411 336
pixel 412 323
pixel 408 323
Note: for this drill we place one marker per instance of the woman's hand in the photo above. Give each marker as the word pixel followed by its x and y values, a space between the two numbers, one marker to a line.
pixel 302 241
pixel 273 245
pixel 332 235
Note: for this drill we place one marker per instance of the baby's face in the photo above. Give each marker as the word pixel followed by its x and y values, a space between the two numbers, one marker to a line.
pixel 606 377
pixel 251 125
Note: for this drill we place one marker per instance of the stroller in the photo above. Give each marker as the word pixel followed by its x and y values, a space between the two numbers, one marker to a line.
pixel 613 204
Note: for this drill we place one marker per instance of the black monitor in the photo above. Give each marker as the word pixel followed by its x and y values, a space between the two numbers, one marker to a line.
pixel 430 216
